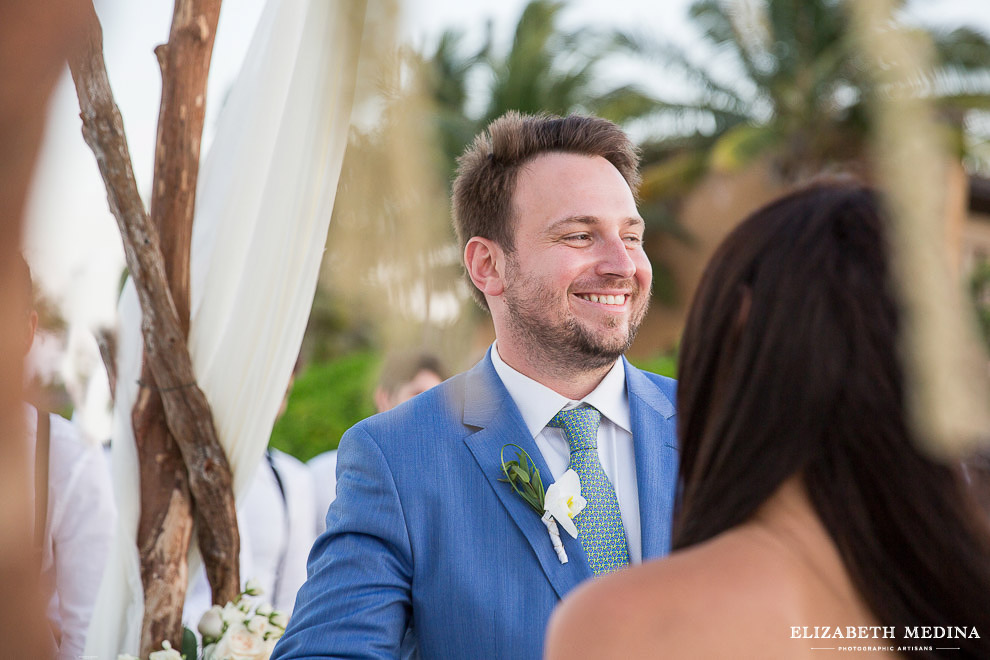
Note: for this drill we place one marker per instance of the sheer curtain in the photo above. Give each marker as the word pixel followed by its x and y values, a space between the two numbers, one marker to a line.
pixel 264 200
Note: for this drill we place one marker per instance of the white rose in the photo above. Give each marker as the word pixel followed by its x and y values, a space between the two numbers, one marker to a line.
pixel 563 500
pixel 167 653
pixel 253 588
pixel 231 614
pixel 208 651
pixel 211 624
pixel 257 624
pixel 280 619
pixel 239 643
pixel 264 609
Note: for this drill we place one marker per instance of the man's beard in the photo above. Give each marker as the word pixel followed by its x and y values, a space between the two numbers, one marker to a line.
pixel 561 340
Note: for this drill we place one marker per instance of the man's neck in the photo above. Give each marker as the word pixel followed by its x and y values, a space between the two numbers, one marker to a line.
pixel 567 380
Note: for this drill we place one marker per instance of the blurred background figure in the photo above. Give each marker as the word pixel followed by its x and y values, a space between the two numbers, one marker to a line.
pixel 75 513
pixel 805 499
pixel 34 41
pixel 403 376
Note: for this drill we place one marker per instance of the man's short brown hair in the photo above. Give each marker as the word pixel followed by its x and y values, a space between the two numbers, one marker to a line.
pixel 487 171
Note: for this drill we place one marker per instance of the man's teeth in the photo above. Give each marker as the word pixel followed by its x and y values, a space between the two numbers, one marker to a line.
pixel 605 300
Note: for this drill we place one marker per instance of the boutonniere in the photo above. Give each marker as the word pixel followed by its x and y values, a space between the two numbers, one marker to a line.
pixel 557 504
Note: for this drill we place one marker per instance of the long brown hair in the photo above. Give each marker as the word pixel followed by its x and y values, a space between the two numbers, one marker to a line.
pixel 789 366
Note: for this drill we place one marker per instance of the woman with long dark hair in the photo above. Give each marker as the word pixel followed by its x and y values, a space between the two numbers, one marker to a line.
pixel 809 517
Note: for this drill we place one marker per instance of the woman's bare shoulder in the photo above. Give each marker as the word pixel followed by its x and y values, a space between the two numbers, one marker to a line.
pixel 713 600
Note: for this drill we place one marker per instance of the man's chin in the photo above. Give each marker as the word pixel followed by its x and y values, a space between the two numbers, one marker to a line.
pixel 605 348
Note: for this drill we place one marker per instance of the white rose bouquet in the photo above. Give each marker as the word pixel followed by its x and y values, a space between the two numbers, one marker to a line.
pixel 243 629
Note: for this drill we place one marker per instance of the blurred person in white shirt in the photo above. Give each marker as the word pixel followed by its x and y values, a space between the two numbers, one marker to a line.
pixel 75 512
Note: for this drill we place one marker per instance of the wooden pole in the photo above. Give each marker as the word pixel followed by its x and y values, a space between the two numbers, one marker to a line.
pixel 178 449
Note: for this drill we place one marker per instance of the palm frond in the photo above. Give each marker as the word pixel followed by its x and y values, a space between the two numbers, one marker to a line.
pixel 672 57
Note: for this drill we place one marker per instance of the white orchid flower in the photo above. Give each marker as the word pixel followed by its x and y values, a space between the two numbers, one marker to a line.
pixel 563 501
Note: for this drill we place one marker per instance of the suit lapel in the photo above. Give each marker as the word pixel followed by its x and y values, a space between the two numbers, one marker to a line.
pixel 488 407
pixel 655 446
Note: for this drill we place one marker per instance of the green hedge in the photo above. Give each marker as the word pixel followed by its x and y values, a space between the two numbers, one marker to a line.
pixel 326 400
pixel 664 364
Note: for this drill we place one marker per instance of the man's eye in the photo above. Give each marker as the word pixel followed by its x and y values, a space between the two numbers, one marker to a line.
pixel 634 239
pixel 578 237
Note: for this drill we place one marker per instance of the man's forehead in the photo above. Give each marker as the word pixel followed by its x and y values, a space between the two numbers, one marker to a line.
pixel 575 188
pixel 575 221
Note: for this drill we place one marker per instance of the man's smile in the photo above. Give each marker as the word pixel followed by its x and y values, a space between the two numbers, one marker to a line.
pixel 608 299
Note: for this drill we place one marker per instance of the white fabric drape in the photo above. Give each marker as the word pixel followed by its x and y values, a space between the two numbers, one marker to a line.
pixel 264 201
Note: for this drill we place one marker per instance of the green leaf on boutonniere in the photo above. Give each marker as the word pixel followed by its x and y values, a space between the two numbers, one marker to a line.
pixel 524 477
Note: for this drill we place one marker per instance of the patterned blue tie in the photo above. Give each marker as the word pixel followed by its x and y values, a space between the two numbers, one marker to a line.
pixel 600 523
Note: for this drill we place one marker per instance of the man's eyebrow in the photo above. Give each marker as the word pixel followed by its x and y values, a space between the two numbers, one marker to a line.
pixel 590 220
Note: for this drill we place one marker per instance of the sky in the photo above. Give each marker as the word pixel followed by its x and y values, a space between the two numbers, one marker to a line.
pixel 72 241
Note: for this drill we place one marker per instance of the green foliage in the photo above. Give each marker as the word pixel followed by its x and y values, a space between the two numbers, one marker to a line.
pixel 190 646
pixel 545 68
pixel 979 291
pixel 787 78
pixel 326 400
pixel 664 364
pixel 524 477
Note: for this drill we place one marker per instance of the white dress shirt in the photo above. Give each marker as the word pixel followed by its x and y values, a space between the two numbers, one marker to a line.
pixel 79 528
pixel 538 405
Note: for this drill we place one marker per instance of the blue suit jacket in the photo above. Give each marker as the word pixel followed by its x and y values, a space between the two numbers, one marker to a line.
pixel 424 534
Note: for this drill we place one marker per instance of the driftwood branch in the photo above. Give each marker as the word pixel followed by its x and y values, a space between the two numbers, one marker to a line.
pixel 169 394
pixel 185 65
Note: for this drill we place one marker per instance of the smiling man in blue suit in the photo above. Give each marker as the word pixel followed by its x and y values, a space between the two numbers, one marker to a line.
pixel 426 549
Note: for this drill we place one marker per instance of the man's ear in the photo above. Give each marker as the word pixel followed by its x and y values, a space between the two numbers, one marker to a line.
pixel 485 263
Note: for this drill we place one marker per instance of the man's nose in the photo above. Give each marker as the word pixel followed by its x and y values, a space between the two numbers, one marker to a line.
pixel 615 259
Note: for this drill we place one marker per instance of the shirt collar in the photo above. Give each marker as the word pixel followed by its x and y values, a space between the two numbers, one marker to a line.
pixel 538 403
